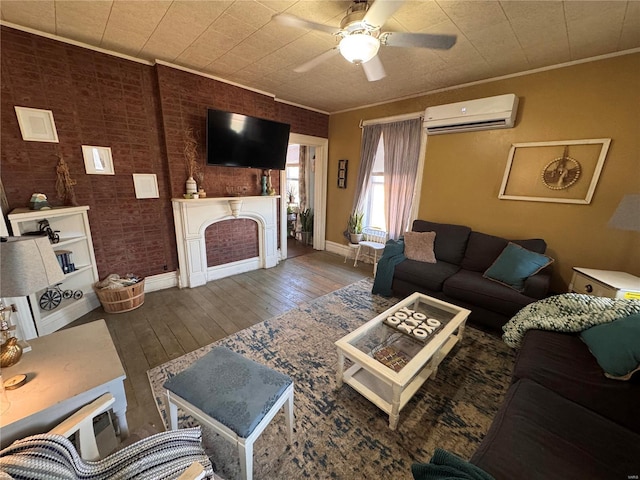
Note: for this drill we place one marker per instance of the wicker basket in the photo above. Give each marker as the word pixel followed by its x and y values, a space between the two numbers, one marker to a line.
pixel 120 300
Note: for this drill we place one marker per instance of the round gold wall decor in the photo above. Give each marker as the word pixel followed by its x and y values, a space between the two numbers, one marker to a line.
pixel 561 173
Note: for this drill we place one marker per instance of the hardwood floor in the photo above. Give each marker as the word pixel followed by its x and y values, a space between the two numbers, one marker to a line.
pixel 175 321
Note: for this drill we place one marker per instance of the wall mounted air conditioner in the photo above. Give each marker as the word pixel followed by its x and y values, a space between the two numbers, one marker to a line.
pixel 481 114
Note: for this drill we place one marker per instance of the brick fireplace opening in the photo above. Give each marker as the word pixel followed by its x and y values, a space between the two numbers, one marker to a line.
pixel 231 241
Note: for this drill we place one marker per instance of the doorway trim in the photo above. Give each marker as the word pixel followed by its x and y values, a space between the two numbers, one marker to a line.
pixel 319 196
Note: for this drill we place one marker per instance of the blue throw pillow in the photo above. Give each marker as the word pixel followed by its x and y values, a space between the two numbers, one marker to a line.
pixel 515 264
pixel 616 346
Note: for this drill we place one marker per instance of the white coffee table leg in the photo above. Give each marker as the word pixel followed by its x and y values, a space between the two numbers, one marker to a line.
pixel 394 416
pixel 340 374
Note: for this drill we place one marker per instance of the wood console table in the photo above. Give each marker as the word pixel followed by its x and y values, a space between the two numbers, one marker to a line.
pixel 65 371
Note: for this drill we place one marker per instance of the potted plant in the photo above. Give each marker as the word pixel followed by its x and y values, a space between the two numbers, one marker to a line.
pixel 355 227
pixel 291 194
pixel 306 225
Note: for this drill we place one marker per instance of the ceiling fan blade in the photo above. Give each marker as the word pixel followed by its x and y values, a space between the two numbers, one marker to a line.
pixel 422 40
pixel 293 21
pixel 380 11
pixel 323 57
pixel 373 69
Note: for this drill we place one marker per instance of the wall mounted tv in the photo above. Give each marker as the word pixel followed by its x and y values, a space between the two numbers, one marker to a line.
pixel 236 140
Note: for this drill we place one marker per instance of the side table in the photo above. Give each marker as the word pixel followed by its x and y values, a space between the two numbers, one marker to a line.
pixel 65 371
pixel 605 283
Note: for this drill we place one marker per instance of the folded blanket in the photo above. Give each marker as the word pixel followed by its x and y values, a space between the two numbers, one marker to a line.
pixel 447 466
pixel 568 312
pixel 392 255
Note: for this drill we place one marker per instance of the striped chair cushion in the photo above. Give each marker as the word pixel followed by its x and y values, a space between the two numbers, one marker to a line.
pixel 162 456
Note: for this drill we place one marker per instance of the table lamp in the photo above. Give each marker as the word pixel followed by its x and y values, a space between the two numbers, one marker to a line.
pixel 27 264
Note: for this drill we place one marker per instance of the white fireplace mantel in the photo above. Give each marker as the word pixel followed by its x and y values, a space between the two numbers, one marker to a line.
pixel 193 216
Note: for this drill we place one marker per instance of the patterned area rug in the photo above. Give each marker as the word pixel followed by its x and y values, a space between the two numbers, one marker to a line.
pixel 338 433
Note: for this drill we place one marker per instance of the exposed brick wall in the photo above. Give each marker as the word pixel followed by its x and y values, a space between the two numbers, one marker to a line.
pixel 184 99
pixel 139 111
pixel 304 122
pixel 96 99
pixel 231 240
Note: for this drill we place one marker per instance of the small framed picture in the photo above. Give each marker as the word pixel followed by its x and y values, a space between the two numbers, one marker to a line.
pixel 36 125
pixel 146 185
pixel 97 160
pixel 342 173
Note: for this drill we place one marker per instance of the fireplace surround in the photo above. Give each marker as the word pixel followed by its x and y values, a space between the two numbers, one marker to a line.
pixel 193 216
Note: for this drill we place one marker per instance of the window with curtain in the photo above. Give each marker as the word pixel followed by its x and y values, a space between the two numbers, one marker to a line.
pixel 387 174
pixel 374 202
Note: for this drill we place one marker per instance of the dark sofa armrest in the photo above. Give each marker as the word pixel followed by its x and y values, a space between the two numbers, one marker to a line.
pixel 537 286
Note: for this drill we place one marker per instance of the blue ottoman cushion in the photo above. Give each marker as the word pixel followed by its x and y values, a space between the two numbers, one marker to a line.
pixel 230 388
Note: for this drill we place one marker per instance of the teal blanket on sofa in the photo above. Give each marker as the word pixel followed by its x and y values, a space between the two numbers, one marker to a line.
pixel 447 466
pixel 392 255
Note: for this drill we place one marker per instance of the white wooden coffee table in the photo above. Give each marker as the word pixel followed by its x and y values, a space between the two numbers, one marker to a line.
pixel 409 358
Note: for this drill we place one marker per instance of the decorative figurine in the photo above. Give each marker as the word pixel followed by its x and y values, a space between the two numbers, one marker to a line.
pixel 39 202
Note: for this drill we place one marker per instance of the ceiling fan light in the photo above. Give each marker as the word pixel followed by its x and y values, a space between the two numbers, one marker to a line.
pixel 359 47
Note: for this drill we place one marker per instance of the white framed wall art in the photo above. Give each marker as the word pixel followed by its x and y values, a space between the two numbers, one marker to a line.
pixel 97 160
pixel 36 125
pixel 146 185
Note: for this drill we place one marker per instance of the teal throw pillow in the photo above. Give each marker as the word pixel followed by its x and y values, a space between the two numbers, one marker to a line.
pixel 514 265
pixel 616 346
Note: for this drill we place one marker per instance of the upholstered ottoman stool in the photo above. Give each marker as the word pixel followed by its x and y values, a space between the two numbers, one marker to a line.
pixel 233 395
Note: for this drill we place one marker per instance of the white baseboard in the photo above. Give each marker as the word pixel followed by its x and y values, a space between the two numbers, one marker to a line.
pixel 160 281
pixel 340 249
pixel 349 252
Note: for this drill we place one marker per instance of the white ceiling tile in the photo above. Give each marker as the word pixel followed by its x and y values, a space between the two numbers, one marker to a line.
pixel 144 14
pixel 209 46
pixel 277 5
pixel 251 12
pixel 630 37
pixel 418 16
pixel 547 54
pixel 183 23
pixel 238 40
pixel 227 63
pixel 473 15
pixel 232 26
pixel 535 22
pixel 83 21
pixel 320 12
pixel 37 15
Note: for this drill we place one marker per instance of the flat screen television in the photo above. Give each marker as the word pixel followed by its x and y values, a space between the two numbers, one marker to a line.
pixel 236 140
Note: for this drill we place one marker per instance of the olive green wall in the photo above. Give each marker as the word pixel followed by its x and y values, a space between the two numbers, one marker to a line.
pixel 463 172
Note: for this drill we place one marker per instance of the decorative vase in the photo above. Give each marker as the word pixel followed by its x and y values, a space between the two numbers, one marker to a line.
pixel 192 187
pixel 10 353
pixel 263 182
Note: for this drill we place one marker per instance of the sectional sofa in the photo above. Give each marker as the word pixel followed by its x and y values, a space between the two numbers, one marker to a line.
pixel 462 257
pixel 562 418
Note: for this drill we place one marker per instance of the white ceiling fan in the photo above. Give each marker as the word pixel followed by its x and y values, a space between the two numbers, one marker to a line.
pixel 361 36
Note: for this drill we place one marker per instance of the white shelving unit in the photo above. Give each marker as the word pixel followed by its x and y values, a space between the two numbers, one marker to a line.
pixel 72 224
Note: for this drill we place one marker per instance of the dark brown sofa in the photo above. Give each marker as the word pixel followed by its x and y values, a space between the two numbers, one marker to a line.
pixel 562 418
pixel 462 257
